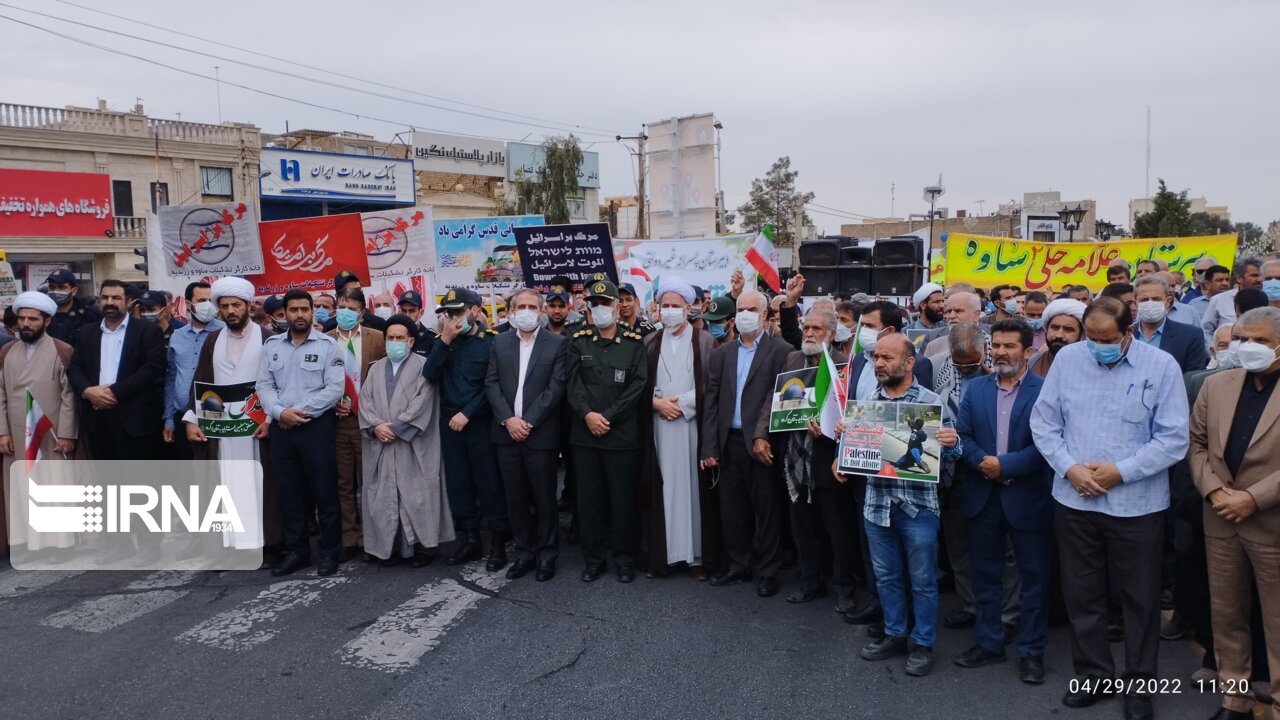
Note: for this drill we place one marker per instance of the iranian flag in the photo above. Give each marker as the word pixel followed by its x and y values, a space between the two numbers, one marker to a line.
pixel 38 427
pixel 829 389
pixel 351 383
pixel 764 258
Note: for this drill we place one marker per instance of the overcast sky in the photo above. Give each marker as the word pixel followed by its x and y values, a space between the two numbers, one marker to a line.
pixel 1001 97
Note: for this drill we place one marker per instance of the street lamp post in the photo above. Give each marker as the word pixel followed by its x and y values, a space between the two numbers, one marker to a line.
pixel 1071 220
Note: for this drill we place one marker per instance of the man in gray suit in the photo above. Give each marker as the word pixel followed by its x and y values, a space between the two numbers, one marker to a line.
pixel 525 387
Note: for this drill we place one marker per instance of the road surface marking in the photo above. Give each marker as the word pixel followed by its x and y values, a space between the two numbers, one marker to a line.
pixel 254 622
pixel 16 583
pixel 111 611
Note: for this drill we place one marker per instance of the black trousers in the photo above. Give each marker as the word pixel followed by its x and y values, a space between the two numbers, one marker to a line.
pixel 1091 544
pixel 990 536
pixel 829 517
pixel 606 503
pixel 751 510
pixel 529 478
pixel 471 475
pixel 110 441
pixel 180 449
pixel 304 463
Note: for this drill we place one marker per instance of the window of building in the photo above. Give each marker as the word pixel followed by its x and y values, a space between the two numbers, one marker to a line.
pixel 215 182
pixel 159 195
pixel 355 150
pixel 122 198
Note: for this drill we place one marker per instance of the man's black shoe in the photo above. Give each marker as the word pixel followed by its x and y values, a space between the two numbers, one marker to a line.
pixel 1088 691
pixel 806 593
pixel 292 563
pixel 1225 714
pixel 920 661
pixel 1138 707
pixel 519 569
pixel 421 559
pixel 546 571
pixel 977 656
pixel 327 566
pixel 467 550
pixel 958 620
pixel 592 573
pixel 767 587
pixel 392 561
pixel 1031 669
pixel 884 648
pixel 497 551
pixel 864 615
pixel 875 630
pixel 626 573
pixel 729 577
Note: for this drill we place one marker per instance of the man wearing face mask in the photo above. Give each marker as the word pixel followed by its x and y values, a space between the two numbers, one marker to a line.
pixel 1271 282
pixel 1006 301
pixel 1184 342
pixel 153 306
pixel 1221 308
pixel 605 373
pixel 361 348
pixel 524 386
pixel 424 338
pixel 846 320
pixel 1234 439
pixel 1178 312
pixel 1033 314
pixel 880 319
pixel 719 319
pixel 739 396
pixel 273 316
pixel 382 306
pixel 458 365
pixel 1111 487
pixel 929 302
pixel 183 353
pixel 73 312
pixel 1064 324
pixel 1222 351
pixel 326 304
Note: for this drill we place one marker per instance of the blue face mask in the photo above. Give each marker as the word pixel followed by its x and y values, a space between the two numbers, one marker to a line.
pixel 322 315
pixel 1105 354
pixel 717 330
pixel 397 350
pixel 347 318
pixel 1011 307
pixel 988 307
pixel 1036 324
pixel 1272 289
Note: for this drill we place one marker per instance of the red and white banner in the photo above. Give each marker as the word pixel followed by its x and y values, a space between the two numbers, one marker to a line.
pixel 37 203
pixel 401 248
pixel 307 253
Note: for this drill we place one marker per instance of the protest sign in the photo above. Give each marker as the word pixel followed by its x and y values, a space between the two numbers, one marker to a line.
pixel 228 411
pixel 578 252
pixel 989 261
pixel 212 240
pixel 400 247
pixel 795 400
pixel 480 253
pixel 307 253
pixel 892 440
pixel 705 262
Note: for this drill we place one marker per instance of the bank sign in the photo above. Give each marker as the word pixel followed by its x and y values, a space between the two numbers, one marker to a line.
pixel 304 175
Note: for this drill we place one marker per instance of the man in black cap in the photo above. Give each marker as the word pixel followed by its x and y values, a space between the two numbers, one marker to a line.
pixel 73 312
pixel 605 371
pixel 718 319
pixel 154 306
pixel 457 365
pixel 559 305
pixel 346 279
pixel 424 338
pixel 273 318
pixel 629 310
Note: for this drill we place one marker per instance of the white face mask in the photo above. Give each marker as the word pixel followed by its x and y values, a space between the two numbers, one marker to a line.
pixel 383 312
pixel 671 317
pixel 602 316
pixel 1255 357
pixel 204 311
pixel 524 320
pixel 1151 311
pixel 746 321
pixel 843 332
pixel 1230 358
pixel 867 338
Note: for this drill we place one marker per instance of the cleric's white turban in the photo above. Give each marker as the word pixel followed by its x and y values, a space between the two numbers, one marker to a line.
pixel 677 285
pixel 231 287
pixel 36 301
pixel 1064 306
pixel 924 292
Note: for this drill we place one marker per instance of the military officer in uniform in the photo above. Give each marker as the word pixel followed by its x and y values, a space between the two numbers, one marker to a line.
pixel 605 372
pixel 424 338
pixel 73 312
pixel 629 310
pixel 457 365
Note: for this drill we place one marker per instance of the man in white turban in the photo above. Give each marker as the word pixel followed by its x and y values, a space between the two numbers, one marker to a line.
pixel 928 301
pixel 1063 324
pixel 231 287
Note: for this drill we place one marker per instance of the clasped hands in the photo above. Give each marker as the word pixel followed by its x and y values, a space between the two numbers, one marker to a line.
pixel 1093 479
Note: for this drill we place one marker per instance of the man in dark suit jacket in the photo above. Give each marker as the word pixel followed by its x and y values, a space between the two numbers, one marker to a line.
pixel 1006 493
pixel 738 408
pixel 1184 342
pixel 881 318
pixel 525 387
pixel 118 371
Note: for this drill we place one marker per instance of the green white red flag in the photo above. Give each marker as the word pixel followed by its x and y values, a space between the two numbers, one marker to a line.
pixel 38 428
pixel 764 258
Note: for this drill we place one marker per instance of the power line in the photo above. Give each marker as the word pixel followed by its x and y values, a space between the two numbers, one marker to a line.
pixel 267 93
pixel 842 212
pixel 564 126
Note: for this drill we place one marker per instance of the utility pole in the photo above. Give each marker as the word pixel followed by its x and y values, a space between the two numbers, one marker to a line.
pixel 642 220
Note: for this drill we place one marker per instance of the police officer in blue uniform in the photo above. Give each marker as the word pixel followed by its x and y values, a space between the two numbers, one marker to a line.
pixel 73 312
pixel 424 338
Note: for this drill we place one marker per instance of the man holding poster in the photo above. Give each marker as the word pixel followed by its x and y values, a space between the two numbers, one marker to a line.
pixel 902 517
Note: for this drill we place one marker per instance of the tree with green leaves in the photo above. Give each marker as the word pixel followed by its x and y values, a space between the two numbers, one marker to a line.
pixel 1252 239
pixel 553 184
pixel 1170 215
pixel 775 201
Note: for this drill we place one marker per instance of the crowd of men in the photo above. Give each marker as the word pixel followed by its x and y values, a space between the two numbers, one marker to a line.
pixel 1102 458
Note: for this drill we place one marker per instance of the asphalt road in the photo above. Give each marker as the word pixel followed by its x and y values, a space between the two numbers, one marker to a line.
pixel 442 642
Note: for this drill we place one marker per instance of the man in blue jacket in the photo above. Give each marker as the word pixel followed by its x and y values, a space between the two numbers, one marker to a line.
pixel 1006 494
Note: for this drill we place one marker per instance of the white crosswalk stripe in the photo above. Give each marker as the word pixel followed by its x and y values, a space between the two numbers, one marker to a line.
pixel 16 583
pixel 397 640
pixel 254 622
pixel 111 611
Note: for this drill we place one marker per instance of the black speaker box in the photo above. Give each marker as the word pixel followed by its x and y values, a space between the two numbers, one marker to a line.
pixel 820 280
pixel 818 253
pixel 899 251
pixel 896 279
pixel 855 279
pixel 855 255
